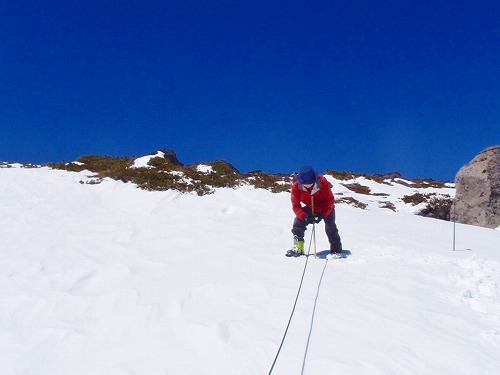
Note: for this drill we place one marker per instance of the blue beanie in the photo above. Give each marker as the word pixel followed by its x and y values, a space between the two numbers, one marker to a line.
pixel 307 175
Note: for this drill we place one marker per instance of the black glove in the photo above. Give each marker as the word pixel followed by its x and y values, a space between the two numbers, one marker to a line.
pixel 308 219
pixel 318 218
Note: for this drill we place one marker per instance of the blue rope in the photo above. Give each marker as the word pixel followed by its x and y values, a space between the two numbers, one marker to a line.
pixel 293 309
pixel 313 315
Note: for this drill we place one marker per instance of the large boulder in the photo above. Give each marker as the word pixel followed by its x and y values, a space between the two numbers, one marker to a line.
pixel 477 200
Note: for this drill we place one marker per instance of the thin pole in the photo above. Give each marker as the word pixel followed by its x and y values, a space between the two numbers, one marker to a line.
pixel 314 226
pixel 454 223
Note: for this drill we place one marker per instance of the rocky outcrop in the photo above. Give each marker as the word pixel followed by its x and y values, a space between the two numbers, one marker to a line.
pixel 477 200
pixel 170 156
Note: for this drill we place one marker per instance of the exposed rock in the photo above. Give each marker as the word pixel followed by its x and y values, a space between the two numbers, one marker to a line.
pixel 477 199
pixel 391 175
pixel 170 156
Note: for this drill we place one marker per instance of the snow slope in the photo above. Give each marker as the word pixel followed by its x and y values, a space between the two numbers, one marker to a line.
pixel 110 279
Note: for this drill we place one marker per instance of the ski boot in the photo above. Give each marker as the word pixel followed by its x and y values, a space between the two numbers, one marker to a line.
pixel 297 249
pixel 298 245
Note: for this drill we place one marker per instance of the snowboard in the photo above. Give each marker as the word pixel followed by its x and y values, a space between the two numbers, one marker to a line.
pixel 325 254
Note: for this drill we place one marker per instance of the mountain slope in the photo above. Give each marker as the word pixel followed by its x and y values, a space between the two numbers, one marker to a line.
pixel 111 279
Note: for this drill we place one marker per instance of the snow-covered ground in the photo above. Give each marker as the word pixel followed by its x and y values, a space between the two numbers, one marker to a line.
pixel 143 161
pixel 110 279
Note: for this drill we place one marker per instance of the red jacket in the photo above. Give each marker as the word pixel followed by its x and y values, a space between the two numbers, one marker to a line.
pixel 324 201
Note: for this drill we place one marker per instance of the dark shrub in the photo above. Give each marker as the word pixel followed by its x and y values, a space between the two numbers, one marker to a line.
pixel 438 208
pixel 357 188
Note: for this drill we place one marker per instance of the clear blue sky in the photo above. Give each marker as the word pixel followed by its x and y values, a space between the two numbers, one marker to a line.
pixel 366 86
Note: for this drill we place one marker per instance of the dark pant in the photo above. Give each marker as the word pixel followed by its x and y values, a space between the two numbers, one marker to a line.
pixel 331 230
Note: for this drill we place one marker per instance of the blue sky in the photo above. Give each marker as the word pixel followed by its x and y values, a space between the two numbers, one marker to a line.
pixel 365 86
